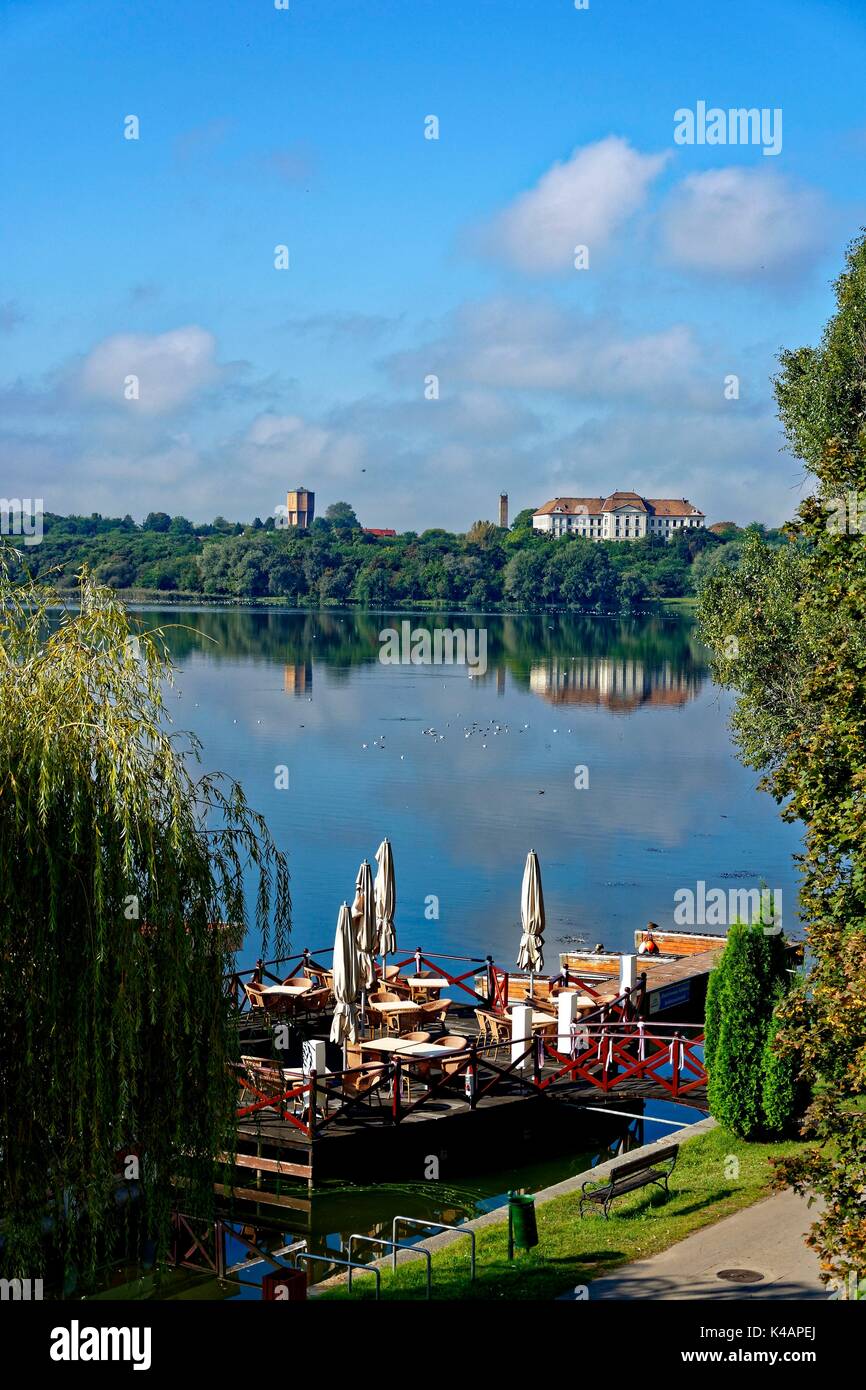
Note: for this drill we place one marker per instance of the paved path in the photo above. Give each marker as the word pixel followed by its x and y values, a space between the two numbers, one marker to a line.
pixel 766 1238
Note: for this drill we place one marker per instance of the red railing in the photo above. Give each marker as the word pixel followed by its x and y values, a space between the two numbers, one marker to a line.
pixel 275 1098
pixel 605 1055
pixel 274 971
pixel 420 960
pixel 609 1055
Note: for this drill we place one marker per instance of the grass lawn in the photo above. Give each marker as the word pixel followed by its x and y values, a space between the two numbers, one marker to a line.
pixel 706 1185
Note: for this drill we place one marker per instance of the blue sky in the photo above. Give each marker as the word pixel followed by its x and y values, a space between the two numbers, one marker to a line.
pixel 411 257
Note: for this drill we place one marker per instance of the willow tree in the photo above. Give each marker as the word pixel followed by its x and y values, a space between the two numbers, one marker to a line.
pixel 126 878
pixel 788 633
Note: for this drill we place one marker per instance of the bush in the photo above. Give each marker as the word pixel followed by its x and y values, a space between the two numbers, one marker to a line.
pixel 741 998
pixel 782 1094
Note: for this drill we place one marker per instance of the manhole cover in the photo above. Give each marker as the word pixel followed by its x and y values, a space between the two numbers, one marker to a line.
pixel 740 1276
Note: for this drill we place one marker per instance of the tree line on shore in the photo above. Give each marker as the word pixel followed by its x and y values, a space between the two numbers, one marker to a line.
pixel 337 562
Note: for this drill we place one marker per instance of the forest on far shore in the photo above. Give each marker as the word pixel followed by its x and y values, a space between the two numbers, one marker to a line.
pixel 337 562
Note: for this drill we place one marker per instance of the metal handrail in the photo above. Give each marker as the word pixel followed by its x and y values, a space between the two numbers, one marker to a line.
pixel 436 1226
pixel 335 1260
pixel 397 1245
pixel 263 1256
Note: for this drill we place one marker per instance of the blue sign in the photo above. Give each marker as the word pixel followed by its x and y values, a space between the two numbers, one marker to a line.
pixel 670 996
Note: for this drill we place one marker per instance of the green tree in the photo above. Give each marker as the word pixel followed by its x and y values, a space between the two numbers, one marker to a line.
pixel 524 577
pixel 788 633
pixel 740 1000
pixel 118 867
pixel 117 572
pixel 342 514
pixel 483 534
pixel 782 1095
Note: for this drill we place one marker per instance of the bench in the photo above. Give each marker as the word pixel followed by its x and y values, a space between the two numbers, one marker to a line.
pixel 627 1177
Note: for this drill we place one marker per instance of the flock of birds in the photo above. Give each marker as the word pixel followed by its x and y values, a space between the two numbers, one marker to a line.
pixel 487 730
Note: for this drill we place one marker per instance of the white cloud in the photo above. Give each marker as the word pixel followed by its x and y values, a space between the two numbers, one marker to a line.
pixel 275 446
pixel 743 223
pixel 582 201
pixel 513 345
pixel 171 368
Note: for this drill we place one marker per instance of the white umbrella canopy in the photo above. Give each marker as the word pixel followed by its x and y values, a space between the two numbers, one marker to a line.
pixel 344 1026
pixel 386 899
pixel 531 953
pixel 364 919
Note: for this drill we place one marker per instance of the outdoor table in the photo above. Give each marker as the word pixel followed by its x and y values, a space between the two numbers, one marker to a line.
pixel 291 990
pixel 408 1048
pixel 426 982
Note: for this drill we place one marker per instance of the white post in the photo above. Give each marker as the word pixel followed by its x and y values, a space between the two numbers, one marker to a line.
pixel 627 973
pixel 566 1014
pixel 521 1034
pixel 313 1053
pixel 313 1059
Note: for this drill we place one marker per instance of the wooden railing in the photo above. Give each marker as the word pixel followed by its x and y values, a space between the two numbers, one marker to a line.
pixel 609 1055
pixel 605 1055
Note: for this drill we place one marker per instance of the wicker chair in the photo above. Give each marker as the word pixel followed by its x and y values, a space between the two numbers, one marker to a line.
pixel 364 1079
pixel 392 980
pixel 485 1033
pixel 253 991
pixel 452 1065
pixel 434 1011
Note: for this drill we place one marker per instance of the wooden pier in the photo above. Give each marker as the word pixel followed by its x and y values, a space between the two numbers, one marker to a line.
pixel 549 1096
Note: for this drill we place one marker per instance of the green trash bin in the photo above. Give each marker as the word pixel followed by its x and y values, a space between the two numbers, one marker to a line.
pixel 521 1218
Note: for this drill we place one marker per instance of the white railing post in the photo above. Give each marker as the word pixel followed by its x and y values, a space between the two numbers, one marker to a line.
pixel 566 1006
pixel 521 1035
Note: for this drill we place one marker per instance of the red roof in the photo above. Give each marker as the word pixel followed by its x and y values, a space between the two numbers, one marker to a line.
pixel 374 531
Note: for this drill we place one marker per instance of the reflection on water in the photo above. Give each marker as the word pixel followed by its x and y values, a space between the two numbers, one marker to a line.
pixel 337 1211
pixel 620 684
pixel 465 772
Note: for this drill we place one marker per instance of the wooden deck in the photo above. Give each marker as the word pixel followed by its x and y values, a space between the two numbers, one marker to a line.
pixel 514 1118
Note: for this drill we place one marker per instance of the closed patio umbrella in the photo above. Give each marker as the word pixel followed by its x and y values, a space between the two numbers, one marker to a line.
pixel 364 920
pixel 531 954
pixel 385 891
pixel 344 1027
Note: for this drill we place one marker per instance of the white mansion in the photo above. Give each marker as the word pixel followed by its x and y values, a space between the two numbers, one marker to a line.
pixel 623 516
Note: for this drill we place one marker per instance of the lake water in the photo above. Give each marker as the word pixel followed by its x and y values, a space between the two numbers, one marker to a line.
pixel 464 776
pixel 628 699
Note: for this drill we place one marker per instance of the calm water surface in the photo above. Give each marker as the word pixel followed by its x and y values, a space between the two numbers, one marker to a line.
pixel 465 775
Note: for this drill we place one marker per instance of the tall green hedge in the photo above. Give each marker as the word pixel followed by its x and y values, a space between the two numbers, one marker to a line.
pixel 750 1090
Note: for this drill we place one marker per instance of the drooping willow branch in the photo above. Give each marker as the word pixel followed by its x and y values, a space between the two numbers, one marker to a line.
pixel 117 867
